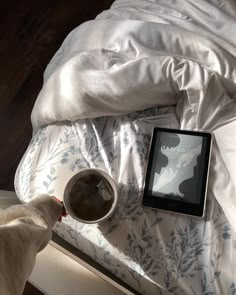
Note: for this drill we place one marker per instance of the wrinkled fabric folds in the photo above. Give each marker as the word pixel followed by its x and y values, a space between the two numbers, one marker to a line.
pixel 110 67
pixel 142 64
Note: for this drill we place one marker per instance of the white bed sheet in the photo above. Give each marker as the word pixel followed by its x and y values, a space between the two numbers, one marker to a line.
pixel 179 56
pixel 150 250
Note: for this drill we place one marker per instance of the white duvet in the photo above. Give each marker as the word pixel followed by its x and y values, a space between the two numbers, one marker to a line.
pixel 140 55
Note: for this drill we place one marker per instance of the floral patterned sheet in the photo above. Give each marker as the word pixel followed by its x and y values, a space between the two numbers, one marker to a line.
pixel 153 251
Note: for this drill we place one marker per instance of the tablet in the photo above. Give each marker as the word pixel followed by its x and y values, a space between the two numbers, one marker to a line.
pixel 177 171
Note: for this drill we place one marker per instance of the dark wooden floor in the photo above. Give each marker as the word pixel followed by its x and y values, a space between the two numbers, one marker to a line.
pixel 30 33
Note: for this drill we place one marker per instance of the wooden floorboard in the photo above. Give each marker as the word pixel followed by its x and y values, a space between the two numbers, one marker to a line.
pixel 31 290
pixel 30 33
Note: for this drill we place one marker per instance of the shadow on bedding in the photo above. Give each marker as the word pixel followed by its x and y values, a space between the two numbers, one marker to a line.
pixel 169 250
pixel 139 243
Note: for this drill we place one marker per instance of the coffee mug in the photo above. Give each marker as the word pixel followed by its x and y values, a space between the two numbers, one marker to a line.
pixel 91 196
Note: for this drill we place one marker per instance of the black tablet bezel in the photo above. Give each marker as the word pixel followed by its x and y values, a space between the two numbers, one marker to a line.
pixel 148 200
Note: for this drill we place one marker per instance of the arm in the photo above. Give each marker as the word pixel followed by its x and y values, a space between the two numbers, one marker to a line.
pixel 24 231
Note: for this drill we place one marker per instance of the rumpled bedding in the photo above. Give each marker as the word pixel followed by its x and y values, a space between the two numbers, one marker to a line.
pixel 138 65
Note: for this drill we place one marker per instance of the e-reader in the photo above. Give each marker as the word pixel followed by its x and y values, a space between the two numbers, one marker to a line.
pixel 177 171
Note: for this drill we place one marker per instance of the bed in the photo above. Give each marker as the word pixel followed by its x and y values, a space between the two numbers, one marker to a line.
pixel 138 65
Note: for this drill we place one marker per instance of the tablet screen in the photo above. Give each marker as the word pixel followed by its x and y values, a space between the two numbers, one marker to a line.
pixel 177 170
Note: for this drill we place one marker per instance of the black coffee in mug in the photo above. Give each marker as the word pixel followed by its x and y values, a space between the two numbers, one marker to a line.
pixel 91 197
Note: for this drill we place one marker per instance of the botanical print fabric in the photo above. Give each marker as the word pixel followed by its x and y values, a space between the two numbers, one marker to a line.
pixel 153 251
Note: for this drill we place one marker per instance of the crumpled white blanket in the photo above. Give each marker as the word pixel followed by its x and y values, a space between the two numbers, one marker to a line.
pixel 24 231
pixel 141 54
